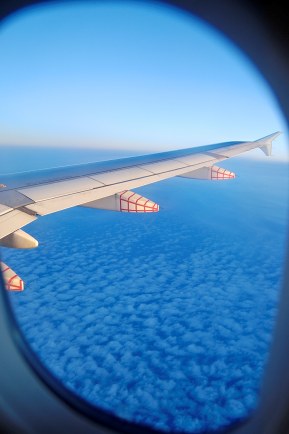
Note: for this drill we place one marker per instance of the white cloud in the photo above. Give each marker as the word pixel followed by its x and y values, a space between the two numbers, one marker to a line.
pixel 165 320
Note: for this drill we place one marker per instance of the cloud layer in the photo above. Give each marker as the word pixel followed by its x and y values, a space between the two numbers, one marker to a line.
pixel 162 319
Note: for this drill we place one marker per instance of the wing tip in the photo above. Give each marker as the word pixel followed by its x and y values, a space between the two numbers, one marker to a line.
pixel 270 137
pixel 266 143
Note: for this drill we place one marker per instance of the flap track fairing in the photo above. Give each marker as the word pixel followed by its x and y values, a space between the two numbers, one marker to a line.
pixel 19 240
pixel 212 173
pixel 11 280
pixel 125 201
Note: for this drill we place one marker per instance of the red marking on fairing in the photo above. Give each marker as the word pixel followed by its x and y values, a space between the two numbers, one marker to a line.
pixel 11 278
pixel 141 197
pixel 120 200
pixel 10 283
pixel 146 202
pixel 133 194
pixel 12 287
pixel 219 173
pixel 133 205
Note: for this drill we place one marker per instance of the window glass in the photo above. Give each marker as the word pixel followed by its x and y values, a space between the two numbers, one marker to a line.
pixel 165 318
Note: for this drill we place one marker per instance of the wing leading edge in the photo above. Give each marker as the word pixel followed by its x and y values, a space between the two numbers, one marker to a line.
pixel 26 196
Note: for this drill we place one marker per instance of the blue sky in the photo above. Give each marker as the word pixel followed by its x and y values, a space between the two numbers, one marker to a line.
pixel 128 76
pixel 169 321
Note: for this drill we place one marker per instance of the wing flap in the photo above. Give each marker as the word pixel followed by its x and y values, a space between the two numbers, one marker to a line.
pixel 202 159
pixel 4 209
pixel 58 189
pixel 120 175
pixel 164 166
pixel 51 205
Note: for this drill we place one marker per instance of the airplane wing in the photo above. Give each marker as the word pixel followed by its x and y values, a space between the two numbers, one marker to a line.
pixel 26 196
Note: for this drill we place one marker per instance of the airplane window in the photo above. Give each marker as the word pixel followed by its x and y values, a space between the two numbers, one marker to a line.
pixel 164 318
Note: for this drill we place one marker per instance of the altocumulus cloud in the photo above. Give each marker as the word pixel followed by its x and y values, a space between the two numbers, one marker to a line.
pixel 162 319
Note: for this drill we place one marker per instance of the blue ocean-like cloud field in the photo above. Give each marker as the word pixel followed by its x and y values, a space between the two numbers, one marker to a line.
pixel 163 319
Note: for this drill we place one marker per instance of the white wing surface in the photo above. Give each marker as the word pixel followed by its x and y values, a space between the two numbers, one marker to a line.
pixel 26 196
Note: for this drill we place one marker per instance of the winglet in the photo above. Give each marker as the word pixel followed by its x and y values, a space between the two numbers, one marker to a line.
pixel 266 143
